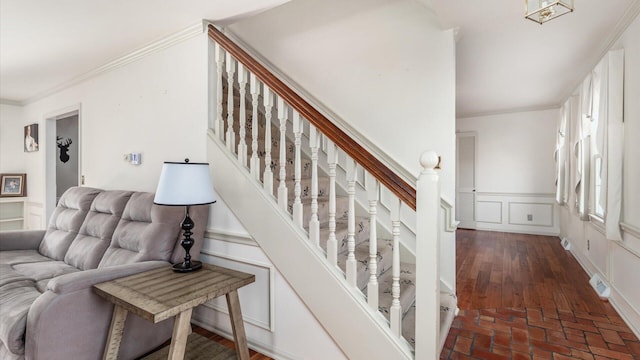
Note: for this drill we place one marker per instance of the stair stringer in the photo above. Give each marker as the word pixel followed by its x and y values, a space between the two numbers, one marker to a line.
pixel 360 332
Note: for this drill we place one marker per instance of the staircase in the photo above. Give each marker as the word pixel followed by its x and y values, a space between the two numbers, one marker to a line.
pixel 327 204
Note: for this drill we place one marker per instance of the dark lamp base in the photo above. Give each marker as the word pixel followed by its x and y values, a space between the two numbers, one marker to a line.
pixel 183 267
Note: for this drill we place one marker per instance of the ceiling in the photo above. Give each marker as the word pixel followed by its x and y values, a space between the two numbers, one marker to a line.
pixel 503 62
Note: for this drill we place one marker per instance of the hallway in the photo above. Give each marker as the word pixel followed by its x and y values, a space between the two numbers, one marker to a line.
pixel 525 297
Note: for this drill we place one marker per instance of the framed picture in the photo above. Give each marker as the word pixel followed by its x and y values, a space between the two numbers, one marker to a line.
pixel 13 185
pixel 31 138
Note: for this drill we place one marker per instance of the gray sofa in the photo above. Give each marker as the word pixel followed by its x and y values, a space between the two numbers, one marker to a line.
pixel 48 309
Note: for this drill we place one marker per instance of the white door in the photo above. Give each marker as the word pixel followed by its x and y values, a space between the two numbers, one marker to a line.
pixel 466 180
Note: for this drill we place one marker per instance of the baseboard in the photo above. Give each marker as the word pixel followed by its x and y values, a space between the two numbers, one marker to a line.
pixel 626 311
pixel 533 231
pixel 260 347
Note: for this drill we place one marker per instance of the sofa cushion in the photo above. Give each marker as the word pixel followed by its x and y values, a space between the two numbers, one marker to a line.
pixel 21 256
pixel 66 220
pixel 15 300
pixel 94 237
pixel 9 275
pixel 44 271
pixel 145 232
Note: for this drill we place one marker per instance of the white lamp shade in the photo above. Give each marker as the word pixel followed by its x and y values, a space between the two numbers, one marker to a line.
pixel 184 184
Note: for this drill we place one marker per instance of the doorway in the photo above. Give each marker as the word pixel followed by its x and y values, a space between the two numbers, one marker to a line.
pixel 63 156
pixel 466 145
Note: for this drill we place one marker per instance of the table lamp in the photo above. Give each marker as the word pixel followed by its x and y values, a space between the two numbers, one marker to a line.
pixel 185 184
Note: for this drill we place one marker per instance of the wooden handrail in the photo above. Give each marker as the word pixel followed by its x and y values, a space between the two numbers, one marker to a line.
pixel 375 167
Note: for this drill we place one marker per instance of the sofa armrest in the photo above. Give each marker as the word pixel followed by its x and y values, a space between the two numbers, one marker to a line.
pixel 21 239
pixel 85 279
pixel 71 321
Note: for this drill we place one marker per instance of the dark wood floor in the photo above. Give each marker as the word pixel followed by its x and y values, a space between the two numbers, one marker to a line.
pixel 524 297
pixel 505 270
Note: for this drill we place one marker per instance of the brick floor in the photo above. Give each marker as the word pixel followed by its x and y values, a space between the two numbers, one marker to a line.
pixel 578 336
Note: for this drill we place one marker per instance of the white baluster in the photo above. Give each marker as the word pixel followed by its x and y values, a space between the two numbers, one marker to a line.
pixel 282 187
pixel 372 287
pixel 351 267
pixel 395 312
pixel 314 223
pixel 297 203
pixel 254 164
pixel 231 135
pixel 332 243
pixel 218 124
pixel 242 145
pixel 267 178
pixel 427 258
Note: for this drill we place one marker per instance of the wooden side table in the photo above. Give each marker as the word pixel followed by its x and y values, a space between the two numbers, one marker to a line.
pixel 159 294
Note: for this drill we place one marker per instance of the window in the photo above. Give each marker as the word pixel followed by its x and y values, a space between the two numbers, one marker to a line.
pixel 598 196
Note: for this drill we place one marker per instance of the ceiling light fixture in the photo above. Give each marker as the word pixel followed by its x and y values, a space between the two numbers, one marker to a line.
pixel 542 11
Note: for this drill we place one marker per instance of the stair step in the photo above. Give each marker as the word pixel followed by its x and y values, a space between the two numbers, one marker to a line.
pixel 407 289
pixel 361 252
pixel 447 313
pixel 323 209
pixel 342 232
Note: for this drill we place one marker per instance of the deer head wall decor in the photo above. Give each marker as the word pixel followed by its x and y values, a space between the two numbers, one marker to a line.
pixel 64 148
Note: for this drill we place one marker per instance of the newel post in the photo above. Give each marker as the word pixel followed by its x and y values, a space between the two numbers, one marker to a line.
pixel 427 259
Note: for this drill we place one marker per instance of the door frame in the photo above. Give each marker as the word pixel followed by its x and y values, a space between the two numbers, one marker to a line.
pixel 51 154
pixel 468 224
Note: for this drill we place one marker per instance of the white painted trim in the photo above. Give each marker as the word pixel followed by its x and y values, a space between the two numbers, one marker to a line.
pixel 272 311
pixel 10 102
pixel 509 111
pixel 266 349
pixel 630 14
pixel 630 229
pixel 626 247
pixel 450 224
pixel 278 238
pixel 522 229
pixel 481 193
pixel 135 55
pixel 490 222
pixel 510 222
pixel 629 314
pixel 230 236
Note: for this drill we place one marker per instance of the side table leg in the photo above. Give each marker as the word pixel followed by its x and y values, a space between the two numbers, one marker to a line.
pixel 181 329
pixel 115 333
pixel 233 303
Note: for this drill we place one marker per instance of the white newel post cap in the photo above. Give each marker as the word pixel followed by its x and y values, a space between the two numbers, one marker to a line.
pixel 429 160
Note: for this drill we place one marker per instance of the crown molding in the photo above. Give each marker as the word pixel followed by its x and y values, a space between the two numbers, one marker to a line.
pixel 509 111
pixel 10 102
pixel 621 26
pixel 168 41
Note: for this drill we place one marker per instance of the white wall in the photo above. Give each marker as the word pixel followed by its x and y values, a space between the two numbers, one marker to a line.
pixel 617 262
pixel 384 67
pixel 515 171
pixel 12 155
pixel 157 106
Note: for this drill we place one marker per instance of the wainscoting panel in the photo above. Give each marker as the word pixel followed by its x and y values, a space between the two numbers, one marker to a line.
pixel 530 214
pixel 34 216
pixel 256 298
pixel 489 212
pixel 517 212
pixel 626 294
